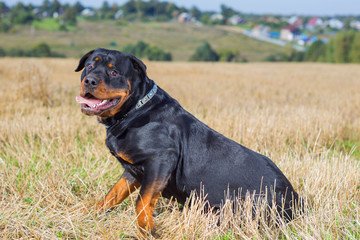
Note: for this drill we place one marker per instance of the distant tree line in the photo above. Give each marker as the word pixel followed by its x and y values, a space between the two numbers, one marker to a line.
pixel 205 53
pixel 39 50
pixel 343 48
pixel 153 10
pixel 26 14
pixel 145 50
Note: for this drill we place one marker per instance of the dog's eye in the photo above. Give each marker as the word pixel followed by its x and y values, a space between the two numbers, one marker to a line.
pixel 114 73
pixel 89 66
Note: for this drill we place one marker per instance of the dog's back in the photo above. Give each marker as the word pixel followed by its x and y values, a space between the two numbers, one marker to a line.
pixel 163 148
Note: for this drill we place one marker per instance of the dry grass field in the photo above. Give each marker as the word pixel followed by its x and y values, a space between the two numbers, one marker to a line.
pixel 54 163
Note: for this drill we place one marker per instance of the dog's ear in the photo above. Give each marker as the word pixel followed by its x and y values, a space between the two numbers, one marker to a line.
pixel 83 60
pixel 138 65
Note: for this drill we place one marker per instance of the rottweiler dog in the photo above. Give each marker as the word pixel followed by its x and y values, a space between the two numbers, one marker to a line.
pixel 165 150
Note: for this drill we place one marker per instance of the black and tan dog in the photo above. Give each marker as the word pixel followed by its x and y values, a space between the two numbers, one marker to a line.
pixel 164 149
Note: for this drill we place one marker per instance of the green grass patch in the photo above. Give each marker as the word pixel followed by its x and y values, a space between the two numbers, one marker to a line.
pixel 154 25
pixel 349 146
pixel 245 27
pixel 227 236
pixel 53 25
pixel 48 24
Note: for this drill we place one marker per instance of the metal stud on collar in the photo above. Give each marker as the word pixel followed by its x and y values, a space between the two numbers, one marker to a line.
pixel 147 97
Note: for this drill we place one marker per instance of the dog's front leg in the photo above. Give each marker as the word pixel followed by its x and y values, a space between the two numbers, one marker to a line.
pixel 155 180
pixel 121 190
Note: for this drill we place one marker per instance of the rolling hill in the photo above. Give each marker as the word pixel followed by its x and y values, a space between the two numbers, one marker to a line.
pixel 179 39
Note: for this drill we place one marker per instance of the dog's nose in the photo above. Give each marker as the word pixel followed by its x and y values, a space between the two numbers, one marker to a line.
pixel 91 82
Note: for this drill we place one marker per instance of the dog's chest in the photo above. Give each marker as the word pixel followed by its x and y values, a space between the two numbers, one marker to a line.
pixel 117 148
pixel 112 144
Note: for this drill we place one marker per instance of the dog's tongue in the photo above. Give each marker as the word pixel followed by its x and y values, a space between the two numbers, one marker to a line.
pixel 88 101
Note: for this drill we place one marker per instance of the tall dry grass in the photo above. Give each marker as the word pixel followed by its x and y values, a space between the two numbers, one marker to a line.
pixel 53 160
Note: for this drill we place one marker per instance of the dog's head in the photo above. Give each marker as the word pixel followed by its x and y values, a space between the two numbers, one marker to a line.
pixel 108 80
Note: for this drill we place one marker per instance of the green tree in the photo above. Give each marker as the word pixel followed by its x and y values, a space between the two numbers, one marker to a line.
pixel 78 7
pixel 329 53
pixel 16 52
pixel 2 52
pixel 129 7
pixel 157 54
pixel 171 8
pixel 160 7
pixel 205 18
pixel 19 14
pixel 45 6
pixel 3 7
pixel 153 53
pixel 315 51
pixel 195 12
pixel 140 49
pixel 41 50
pixel 4 26
pixel 140 8
pixel 205 53
pixel 55 6
pixel 113 9
pixel 105 10
pixel 296 56
pixel 226 55
pixel 226 11
pixel 342 44
pixel 355 49
pixel 70 15
pixel 272 57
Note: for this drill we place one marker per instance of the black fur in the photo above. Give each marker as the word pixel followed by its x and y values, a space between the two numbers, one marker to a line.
pixel 173 150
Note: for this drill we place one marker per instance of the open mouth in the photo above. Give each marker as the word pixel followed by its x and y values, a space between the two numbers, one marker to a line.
pixel 92 104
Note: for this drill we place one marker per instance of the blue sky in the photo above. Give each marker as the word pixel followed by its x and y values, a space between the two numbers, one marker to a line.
pixel 304 7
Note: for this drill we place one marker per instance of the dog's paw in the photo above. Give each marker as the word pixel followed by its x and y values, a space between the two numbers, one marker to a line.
pixel 147 234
